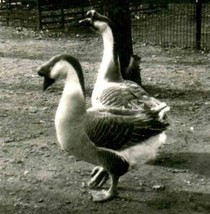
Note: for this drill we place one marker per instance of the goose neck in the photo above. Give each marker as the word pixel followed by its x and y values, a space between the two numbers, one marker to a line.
pixel 72 103
pixel 109 68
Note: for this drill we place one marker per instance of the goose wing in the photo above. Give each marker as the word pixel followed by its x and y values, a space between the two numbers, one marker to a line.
pixel 126 94
pixel 118 128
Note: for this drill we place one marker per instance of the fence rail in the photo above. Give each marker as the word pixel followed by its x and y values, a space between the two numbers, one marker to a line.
pixel 184 23
pixel 44 14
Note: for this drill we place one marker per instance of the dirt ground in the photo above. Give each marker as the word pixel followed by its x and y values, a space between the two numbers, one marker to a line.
pixel 37 177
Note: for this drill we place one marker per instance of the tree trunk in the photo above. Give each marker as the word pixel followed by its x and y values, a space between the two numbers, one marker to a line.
pixel 118 11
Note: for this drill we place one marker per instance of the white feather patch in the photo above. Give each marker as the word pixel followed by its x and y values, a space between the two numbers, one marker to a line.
pixel 144 151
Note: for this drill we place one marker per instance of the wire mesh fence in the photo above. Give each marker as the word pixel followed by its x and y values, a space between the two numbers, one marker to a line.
pixel 172 23
pixel 205 31
pixel 184 23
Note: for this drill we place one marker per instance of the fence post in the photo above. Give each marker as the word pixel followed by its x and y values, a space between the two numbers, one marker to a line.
pixel 39 14
pixel 165 4
pixel 198 23
pixel 62 15
pixel 8 7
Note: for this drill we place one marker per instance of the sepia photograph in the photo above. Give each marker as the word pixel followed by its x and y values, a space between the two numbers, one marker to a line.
pixel 104 106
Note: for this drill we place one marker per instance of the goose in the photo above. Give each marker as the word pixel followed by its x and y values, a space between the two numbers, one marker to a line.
pixel 110 88
pixel 105 137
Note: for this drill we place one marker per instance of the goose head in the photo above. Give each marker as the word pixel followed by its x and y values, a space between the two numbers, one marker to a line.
pixel 97 21
pixel 55 69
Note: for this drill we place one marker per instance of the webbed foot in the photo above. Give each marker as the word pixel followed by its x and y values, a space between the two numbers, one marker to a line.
pixel 102 195
pixel 106 195
pixel 99 177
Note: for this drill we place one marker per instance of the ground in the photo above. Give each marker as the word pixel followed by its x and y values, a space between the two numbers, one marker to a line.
pixel 36 176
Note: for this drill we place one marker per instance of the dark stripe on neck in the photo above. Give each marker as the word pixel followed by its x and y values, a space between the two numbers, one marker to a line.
pixel 115 44
pixel 74 62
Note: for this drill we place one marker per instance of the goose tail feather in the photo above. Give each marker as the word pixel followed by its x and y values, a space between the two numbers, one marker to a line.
pixel 143 152
pixel 161 109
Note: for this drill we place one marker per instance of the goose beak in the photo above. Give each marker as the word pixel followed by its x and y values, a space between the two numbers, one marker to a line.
pixel 86 20
pixel 47 82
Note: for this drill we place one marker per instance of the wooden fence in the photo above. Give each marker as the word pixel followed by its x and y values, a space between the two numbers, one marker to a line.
pixel 18 13
pixel 44 14
pixel 61 14
pixel 184 23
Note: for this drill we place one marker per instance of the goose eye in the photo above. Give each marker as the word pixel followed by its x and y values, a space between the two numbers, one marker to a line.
pixel 91 14
pixel 88 14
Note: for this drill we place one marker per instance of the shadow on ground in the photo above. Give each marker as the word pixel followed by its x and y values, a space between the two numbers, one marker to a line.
pixel 196 162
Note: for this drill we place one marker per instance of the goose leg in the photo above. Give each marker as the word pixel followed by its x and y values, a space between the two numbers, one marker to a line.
pixel 99 177
pixel 105 195
pixel 116 165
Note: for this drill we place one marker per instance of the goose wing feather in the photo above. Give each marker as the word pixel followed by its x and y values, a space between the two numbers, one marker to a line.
pixel 119 128
pixel 106 129
pixel 126 95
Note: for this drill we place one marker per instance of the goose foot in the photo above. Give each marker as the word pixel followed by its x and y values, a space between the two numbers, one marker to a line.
pixel 99 177
pixel 106 195
pixel 102 195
